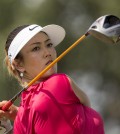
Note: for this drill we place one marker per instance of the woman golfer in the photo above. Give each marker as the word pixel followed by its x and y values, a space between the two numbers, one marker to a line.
pixel 54 104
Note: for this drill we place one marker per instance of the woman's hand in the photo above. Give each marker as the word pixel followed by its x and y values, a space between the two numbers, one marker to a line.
pixel 10 113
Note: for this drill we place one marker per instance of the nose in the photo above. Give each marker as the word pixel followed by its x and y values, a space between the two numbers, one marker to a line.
pixel 46 52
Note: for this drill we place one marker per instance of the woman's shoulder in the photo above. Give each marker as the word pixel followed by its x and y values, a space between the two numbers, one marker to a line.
pixel 57 81
pixel 57 77
pixel 60 78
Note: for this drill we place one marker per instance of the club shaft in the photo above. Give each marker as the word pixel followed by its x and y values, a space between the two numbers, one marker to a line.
pixel 56 60
pixel 10 102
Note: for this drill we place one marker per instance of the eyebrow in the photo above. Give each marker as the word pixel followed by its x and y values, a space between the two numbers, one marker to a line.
pixel 40 42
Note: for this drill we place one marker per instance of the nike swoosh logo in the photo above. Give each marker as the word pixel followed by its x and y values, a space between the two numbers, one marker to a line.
pixel 32 28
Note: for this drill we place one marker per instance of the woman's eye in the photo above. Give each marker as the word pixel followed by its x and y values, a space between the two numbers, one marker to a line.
pixel 50 45
pixel 36 49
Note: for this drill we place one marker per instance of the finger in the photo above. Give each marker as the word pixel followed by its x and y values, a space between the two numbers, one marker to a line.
pixel 2 103
pixel 2 113
pixel 6 106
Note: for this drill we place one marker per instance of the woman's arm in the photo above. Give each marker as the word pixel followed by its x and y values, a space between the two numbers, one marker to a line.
pixel 10 113
pixel 79 93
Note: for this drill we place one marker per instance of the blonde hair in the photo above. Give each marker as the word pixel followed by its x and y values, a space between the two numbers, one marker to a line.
pixel 11 69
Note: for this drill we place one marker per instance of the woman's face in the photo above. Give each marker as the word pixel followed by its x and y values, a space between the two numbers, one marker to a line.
pixel 37 54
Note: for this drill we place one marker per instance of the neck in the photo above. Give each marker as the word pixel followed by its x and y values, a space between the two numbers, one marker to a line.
pixel 27 78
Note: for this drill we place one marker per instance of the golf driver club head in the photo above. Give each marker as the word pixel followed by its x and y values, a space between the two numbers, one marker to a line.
pixel 106 28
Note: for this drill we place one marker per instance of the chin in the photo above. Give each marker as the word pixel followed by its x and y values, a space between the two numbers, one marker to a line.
pixel 49 73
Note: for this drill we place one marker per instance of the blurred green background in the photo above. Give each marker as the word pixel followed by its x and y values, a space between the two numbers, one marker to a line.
pixel 94 65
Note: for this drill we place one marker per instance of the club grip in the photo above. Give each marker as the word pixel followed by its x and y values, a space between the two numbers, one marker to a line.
pixel 6 106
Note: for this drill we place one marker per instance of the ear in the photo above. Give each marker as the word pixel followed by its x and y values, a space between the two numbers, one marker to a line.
pixel 18 64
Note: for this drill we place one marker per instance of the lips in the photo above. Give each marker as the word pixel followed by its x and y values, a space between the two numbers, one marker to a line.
pixel 50 61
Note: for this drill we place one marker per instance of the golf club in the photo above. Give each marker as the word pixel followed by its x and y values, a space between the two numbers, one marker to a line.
pixel 105 28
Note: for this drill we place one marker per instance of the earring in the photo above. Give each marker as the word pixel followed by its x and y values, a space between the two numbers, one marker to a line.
pixel 21 74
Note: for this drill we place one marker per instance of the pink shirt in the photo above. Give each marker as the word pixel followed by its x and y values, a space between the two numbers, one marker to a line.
pixel 51 107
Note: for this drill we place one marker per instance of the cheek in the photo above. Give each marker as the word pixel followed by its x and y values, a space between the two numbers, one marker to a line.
pixel 32 57
pixel 33 62
pixel 54 53
pixel 33 67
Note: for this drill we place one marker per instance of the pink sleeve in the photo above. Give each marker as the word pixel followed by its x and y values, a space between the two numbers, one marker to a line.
pixel 60 87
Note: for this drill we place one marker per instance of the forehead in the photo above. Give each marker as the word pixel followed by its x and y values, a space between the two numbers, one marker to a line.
pixel 38 38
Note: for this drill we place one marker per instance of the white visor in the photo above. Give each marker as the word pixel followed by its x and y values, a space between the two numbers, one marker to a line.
pixel 56 34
